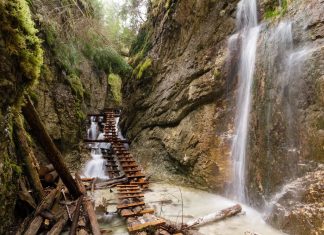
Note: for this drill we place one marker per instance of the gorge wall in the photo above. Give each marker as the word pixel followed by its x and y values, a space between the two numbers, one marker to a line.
pixel 180 103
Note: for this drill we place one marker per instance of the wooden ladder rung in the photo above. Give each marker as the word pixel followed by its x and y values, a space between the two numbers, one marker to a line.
pixel 142 212
pixel 130 192
pixel 138 227
pixel 131 196
pixel 124 206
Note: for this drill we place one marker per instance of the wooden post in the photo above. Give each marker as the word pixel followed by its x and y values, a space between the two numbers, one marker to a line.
pixel 27 154
pixel 52 153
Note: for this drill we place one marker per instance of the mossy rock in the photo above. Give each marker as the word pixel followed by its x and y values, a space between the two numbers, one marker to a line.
pixel 143 69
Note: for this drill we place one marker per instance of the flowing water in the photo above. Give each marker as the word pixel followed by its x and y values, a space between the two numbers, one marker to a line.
pixel 247 38
pixel 96 168
pixel 93 130
pixel 167 201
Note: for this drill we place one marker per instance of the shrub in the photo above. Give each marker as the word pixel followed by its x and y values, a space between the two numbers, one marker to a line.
pixel 115 83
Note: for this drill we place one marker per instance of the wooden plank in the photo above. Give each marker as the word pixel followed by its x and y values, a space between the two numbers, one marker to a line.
pixel 136 176
pixel 127 161
pixel 134 170
pixel 139 183
pixel 129 192
pixel 138 227
pixel 131 196
pixel 124 206
pixel 126 185
pixel 131 214
pixel 129 189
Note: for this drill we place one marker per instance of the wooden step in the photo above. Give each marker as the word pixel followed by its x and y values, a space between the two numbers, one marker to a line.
pixel 139 183
pixel 113 171
pixel 121 161
pixel 131 196
pixel 132 189
pixel 138 227
pixel 125 185
pixel 136 176
pixel 124 206
pixel 135 170
pixel 131 214
pixel 129 192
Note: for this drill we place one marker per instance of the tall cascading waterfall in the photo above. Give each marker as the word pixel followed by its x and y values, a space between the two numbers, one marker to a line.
pixel 247 37
pixel 96 166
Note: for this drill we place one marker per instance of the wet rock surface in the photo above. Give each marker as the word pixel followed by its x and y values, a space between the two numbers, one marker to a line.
pixel 177 118
pixel 299 207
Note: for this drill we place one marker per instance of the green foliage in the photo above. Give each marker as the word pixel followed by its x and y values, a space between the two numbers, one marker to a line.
pixel 20 37
pixel 141 69
pixel 275 12
pixel 115 83
pixel 141 46
pixel 76 85
pixel 68 56
pixel 107 59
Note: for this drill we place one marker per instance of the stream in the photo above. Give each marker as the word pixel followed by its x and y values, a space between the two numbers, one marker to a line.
pixel 166 200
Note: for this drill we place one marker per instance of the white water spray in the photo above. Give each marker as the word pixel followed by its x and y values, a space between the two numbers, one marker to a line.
pixel 249 32
pixel 95 168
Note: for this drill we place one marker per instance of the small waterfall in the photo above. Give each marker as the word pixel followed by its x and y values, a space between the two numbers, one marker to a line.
pixel 93 130
pixel 96 166
pixel 247 38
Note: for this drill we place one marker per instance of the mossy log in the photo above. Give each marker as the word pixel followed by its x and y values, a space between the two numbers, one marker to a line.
pixel 52 153
pixel 27 155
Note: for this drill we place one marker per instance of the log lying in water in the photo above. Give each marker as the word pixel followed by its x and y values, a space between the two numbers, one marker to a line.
pixel 52 153
pixel 223 214
pixel 76 215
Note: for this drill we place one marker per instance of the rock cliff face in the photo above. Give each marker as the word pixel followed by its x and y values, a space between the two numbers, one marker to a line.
pixel 20 63
pixel 178 118
pixel 181 99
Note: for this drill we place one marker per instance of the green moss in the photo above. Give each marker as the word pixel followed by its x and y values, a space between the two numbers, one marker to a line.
pixel 277 11
pixel 216 74
pixel 115 83
pixel 20 37
pixel 141 45
pixel 76 85
pixel 140 70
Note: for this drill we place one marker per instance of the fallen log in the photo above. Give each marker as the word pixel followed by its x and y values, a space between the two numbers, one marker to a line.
pixel 24 195
pixel 51 151
pixel 223 214
pixel 43 170
pixel 111 182
pixel 27 156
pixel 76 215
pixel 58 227
pixel 51 177
pixel 87 206
pixel 48 202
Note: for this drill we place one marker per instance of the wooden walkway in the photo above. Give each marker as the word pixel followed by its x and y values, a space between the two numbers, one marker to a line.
pixel 120 161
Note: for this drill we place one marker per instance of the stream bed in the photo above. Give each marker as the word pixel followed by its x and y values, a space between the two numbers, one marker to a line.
pixel 167 202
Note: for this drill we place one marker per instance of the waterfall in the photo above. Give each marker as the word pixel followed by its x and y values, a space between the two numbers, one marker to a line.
pixel 248 36
pixel 93 130
pixel 96 166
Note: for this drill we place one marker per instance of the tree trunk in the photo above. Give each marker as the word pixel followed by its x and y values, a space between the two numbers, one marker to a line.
pixel 52 153
pixel 223 214
pixel 27 154
pixel 87 206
